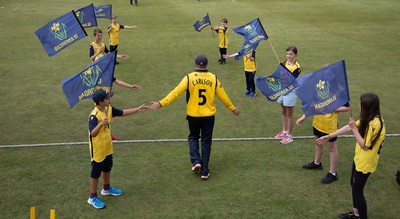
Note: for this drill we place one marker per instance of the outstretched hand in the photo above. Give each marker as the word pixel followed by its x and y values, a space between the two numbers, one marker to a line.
pixel 155 105
pixel 322 140
pixel 123 56
pixel 143 108
pixel 135 87
pixel 236 111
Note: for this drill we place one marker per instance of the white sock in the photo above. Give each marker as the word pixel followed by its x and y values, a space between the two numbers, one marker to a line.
pixel 333 173
pixel 285 132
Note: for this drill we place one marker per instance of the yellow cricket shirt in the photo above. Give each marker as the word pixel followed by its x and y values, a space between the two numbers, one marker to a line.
pixel 97 48
pixel 201 87
pixel 101 145
pixel 223 37
pixel 367 160
pixel 114 34
pixel 250 64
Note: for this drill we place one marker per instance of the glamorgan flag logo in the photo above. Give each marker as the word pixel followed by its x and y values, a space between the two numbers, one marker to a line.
pixel 274 83
pixel 253 32
pixel 87 16
pixel 322 88
pixel 82 85
pixel 323 91
pixel 60 33
pixel 201 24
pixel 279 83
pixel 103 11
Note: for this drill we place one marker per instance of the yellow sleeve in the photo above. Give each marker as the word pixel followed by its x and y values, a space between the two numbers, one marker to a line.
pixel 221 94
pixel 175 93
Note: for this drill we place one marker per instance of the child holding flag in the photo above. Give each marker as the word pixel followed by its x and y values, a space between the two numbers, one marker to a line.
pixel 249 72
pixel 101 146
pixel 98 49
pixel 369 132
pixel 324 125
pixel 288 101
pixel 223 39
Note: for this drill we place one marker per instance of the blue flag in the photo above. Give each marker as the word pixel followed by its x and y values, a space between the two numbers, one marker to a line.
pixel 253 32
pixel 103 11
pixel 278 84
pixel 60 33
pixel 200 24
pixel 98 74
pixel 323 91
pixel 246 48
pixel 86 16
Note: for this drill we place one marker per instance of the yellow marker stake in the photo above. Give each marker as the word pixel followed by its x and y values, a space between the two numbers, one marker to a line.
pixel 52 214
pixel 33 213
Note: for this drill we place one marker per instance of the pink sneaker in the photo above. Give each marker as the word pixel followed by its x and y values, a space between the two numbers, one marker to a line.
pixel 196 168
pixel 287 139
pixel 280 135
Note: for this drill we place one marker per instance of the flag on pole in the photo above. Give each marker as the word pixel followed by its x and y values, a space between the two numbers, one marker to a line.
pixel 103 11
pixel 60 33
pixel 253 32
pixel 98 74
pixel 246 48
pixel 277 84
pixel 201 24
pixel 324 90
pixel 87 16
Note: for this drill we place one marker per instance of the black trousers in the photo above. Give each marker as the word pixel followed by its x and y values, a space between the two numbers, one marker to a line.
pixel 250 85
pixel 200 127
pixel 136 2
pixel 113 48
pixel 358 181
pixel 222 51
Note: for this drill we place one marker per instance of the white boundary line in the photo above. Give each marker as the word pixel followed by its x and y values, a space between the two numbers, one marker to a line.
pixel 168 140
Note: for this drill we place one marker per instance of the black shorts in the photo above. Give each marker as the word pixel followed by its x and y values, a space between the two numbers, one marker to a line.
pixel 320 134
pixel 104 166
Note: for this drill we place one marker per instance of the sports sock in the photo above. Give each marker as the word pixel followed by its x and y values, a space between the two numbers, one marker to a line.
pixel 106 186
pixel 92 195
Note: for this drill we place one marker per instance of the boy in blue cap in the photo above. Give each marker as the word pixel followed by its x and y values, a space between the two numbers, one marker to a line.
pixel 101 146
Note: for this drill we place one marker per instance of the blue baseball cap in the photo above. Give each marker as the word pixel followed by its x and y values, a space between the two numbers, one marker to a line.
pixel 201 60
pixel 100 95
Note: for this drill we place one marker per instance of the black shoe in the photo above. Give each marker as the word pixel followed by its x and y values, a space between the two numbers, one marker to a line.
pixel 329 178
pixel 223 62
pixel 117 63
pixel 349 215
pixel 219 61
pixel 313 166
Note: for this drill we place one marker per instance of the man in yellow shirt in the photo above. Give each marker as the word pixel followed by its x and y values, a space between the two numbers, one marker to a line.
pixel 201 87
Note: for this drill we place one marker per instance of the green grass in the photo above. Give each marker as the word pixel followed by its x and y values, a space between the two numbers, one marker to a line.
pixel 250 179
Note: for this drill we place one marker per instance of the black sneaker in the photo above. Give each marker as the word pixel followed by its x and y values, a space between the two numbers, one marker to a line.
pixel 329 178
pixel 349 215
pixel 313 166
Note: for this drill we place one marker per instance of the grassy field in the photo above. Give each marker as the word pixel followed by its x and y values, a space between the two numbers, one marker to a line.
pixel 250 179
